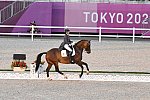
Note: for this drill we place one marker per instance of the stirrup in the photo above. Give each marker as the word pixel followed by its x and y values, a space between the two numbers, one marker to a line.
pixel 72 62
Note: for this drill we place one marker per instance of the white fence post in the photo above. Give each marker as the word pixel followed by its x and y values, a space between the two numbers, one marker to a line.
pixel 133 39
pixel 65 27
pixel 32 31
pixel 32 70
pixel 100 34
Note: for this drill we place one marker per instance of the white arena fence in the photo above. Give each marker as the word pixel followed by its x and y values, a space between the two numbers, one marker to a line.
pixel 133 36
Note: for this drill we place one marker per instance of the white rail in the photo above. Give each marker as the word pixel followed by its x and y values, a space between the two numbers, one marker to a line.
pixel 133 36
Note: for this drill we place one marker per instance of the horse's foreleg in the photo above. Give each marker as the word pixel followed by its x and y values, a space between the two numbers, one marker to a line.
pixel 80 64
pixel 48 68
pixel 86 67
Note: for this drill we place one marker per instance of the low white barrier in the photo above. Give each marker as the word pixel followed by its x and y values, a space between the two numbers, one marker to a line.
pixel 75 76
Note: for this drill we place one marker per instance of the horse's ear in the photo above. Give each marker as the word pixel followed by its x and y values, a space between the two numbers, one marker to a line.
pixel 89 41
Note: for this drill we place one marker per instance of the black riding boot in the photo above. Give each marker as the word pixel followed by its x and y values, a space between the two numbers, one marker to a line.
pixel 71 58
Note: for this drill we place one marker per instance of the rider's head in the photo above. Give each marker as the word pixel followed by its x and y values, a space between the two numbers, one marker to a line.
pixel 67 31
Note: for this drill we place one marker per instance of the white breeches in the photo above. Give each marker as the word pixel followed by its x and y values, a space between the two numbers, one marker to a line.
pixel 66 46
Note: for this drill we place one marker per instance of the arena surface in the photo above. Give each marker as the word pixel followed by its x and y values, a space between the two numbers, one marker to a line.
pixel 72 90
pixel 110 55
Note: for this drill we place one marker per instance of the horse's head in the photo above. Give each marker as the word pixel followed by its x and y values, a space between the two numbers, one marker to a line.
pixel 85 44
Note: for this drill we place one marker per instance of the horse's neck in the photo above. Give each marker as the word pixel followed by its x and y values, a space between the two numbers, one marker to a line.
pixel 78 48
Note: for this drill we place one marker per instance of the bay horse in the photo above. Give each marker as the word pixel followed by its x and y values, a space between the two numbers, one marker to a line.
pixel 53 57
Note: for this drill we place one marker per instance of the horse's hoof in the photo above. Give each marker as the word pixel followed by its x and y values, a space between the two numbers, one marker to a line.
pixel 80 76
pixel 87 72
pixel 49 79
pixel 65 77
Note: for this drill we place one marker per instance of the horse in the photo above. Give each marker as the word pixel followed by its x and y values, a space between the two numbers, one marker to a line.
pixel 53 57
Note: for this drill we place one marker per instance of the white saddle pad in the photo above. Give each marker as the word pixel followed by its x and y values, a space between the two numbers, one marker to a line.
pixel 64 53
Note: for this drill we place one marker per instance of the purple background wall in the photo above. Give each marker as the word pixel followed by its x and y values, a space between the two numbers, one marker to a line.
pixel 74 15
pixel 58 16
pixel 39 12
pixel 132 15
pixel 85 14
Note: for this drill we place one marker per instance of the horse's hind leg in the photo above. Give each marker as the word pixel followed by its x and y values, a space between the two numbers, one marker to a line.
pixel 57 70
pixel 48 68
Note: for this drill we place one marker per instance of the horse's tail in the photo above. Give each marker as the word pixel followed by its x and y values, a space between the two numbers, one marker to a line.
pixel 38 60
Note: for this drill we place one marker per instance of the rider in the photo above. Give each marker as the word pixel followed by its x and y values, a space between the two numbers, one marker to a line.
pixel 68 45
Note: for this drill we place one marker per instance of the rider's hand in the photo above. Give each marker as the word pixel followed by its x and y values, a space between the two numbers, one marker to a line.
pixel 72 43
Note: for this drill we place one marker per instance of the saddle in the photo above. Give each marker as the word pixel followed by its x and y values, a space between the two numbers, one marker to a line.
pixel 65 53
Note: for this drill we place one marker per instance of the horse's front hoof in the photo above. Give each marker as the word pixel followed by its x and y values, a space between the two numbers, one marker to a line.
pixel 80 76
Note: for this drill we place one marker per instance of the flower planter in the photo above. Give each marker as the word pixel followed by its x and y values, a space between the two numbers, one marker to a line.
pixel 18 65
pixel 19 69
